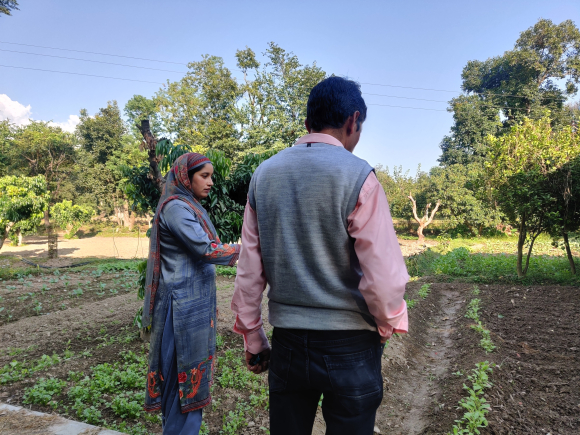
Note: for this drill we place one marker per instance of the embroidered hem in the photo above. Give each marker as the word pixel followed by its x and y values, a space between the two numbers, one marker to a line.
pixel 196 405
pixel 152 408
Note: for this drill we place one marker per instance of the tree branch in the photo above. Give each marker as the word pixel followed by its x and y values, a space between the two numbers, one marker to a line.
pixel 414 208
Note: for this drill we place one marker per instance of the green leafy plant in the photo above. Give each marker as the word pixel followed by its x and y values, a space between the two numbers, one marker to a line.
pixel 474 405
pixel 41 393
pixel 424 290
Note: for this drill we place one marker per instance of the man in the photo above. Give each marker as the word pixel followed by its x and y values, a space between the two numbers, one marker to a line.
pixel 318 230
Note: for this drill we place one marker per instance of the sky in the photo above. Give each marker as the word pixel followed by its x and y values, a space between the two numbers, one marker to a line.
pixel 399 45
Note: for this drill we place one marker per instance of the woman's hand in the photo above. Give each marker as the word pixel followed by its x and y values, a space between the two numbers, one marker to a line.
pixel 260 367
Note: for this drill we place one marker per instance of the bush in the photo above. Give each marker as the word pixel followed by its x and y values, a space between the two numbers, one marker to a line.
pixel 71 217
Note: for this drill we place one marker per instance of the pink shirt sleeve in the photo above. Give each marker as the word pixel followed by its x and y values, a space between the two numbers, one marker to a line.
pixel 377 248
pixel 249 287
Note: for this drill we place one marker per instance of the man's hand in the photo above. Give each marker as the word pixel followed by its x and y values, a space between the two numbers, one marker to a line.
pixel 262 366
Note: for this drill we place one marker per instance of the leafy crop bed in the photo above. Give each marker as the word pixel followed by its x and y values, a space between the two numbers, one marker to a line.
pixel 498 358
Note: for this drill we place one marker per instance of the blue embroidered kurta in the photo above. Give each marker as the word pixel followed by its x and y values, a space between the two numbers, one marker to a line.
pixel 188 283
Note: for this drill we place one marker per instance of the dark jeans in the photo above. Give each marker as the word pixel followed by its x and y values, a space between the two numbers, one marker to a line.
pixel 344 366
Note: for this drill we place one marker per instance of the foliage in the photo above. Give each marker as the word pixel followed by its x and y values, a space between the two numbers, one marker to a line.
pixel 520 167
pixel 41 393
pixel 397 186
pixel 466 197
pixel 71 217
pixel 475 405
pixel 424 291
pixel 7 6
pixel 41 149
pixel 473 314
pixel 23 201
pixel 521 83
pixel 486 268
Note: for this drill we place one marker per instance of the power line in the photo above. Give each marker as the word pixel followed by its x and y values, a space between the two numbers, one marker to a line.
pixel 94 61
pixel 457 92
pixel 92 52
pixel 406 107
pixel 442 101
pixel 80 74
pixel 181 63
pixel 409 87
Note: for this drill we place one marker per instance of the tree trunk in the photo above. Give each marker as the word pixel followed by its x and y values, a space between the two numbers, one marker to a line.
pixel 530 253
pixel 52 236
pixel 420 233
pixel 151 146
pixel 4 233
pixel 128 220
pixel 521 241
pixel 118 216
pixel 569 253
pixel 19 234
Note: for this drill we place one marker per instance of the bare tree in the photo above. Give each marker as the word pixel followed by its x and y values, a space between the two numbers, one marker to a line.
pixel 426 219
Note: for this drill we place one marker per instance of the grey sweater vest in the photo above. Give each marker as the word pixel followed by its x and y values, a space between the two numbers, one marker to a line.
pixel 303 197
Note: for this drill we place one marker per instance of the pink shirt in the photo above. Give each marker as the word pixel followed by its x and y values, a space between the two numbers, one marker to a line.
pixel 376 246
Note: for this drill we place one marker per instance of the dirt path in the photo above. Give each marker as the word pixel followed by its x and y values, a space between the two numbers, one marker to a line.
pixel 123 247
pixel 95 247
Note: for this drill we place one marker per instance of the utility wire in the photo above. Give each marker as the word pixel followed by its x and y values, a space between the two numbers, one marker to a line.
pixel 93 52
pixel 159 83
pixel 457 92
pixel 442 101
pixel 405 107
pixel 94 61
pixel 181 63
pixel 80 74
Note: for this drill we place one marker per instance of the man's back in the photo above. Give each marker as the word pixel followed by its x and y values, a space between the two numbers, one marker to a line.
pixel 303 197
pixel 317 228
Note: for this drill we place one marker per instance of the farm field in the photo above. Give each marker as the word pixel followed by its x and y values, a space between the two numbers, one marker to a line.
pixel 68 346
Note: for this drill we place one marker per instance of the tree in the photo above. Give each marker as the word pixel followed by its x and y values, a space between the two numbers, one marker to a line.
pixel 466 193
pixel 7 6
pixel 522 83
pixel 41 149
pixel 70 217
pixel 522 164
pixel 105 148
pixel 424 220
pixel 139 108
pixel 23 201
pixel 198 111
pixel 275 94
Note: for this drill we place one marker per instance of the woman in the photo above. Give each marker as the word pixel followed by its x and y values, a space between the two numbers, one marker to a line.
pixel 180 297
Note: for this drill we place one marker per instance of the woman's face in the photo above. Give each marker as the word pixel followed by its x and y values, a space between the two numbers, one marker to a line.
pixel 201 181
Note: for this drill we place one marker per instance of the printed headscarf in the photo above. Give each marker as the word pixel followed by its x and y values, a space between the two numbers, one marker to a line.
pixel 177 186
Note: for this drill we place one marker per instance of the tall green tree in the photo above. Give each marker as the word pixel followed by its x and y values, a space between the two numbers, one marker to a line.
pixel 198 111
pixel 521 83
pixel 275 93
pixel 105 147
pixel 522 166
pixel 139 108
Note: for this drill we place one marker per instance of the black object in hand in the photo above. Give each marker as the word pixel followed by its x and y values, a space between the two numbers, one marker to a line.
pixel 255 359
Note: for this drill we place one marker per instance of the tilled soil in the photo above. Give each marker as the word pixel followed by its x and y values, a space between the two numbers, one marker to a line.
pixel 535 328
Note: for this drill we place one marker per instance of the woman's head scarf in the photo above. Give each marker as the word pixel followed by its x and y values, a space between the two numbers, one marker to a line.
pixel 177 186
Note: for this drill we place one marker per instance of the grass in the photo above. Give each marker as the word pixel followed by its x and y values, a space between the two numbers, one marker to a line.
pixel 466 266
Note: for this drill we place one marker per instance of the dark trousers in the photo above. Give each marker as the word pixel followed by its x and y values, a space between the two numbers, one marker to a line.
pixel 344 366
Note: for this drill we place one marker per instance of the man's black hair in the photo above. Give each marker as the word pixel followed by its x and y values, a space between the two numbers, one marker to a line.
pixel 332 101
